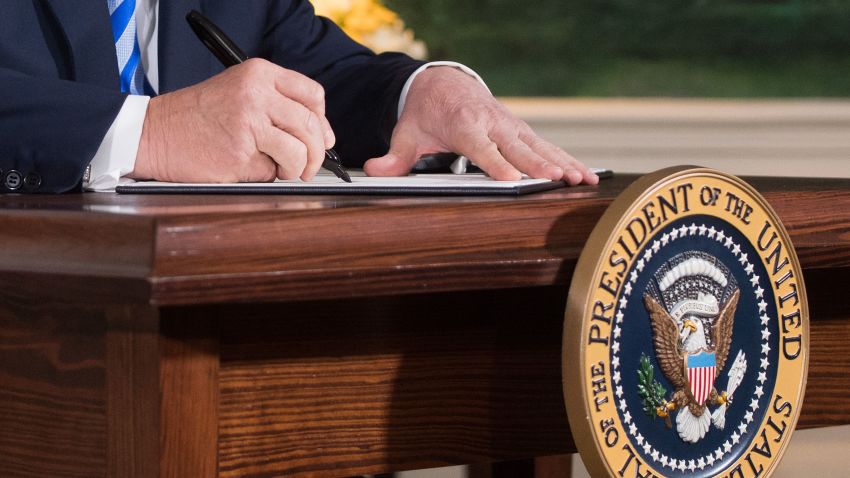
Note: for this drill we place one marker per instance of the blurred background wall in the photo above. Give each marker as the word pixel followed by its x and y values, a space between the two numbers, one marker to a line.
pixel 681 48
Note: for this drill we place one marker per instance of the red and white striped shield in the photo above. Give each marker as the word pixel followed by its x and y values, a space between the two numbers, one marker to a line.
pixel 701 368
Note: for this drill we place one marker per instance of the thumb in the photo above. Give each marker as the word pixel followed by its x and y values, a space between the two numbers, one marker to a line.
pixel 397 162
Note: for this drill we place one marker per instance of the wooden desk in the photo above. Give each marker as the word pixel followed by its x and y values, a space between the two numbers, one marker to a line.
pixel 166 336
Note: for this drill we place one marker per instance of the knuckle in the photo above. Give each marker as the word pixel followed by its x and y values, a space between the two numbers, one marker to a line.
pixel 292 167
pixel 286 173
pixel 522 127
pixel 298 150
pixel 466 116
pixel 311 121
pixel 541 167
pixel 316 93
pixel 561 154
pixel 254 66
pixel 516 146
pixel 537 142
pixel 311 93
pixel 484 148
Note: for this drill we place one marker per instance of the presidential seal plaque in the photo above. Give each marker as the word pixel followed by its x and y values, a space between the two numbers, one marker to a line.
pixel 686 333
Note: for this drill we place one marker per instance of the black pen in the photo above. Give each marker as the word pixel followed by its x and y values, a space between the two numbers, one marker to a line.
pixel 229 55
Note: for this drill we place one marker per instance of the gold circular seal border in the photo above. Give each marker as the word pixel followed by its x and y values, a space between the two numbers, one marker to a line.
pixel 584 284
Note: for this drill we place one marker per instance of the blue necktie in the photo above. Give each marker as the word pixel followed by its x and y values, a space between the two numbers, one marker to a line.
pixel 123 17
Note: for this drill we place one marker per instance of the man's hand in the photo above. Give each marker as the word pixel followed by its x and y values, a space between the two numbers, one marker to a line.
pixel 253 122
pixel 449 111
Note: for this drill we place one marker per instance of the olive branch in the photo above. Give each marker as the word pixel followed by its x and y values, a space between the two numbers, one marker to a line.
pixel 651 392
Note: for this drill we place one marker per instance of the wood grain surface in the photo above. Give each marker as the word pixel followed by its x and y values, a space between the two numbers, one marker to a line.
pixel 133 393
pixel 483 244
pixel 162 394
pixel 829 363
pixel 342 388
pixel 188 375
pixel 202 249
pixel 52 390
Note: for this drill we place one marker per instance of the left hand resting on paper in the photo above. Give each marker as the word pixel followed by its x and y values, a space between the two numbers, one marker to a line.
pixel 448 110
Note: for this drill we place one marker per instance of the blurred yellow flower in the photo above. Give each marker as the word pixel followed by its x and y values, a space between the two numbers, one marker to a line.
pixel 372 24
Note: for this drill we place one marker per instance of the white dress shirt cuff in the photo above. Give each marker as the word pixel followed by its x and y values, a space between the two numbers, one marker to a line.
pixel 402 100
pixel 116 155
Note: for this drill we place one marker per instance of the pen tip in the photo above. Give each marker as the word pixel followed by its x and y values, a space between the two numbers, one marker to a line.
pixel 345 177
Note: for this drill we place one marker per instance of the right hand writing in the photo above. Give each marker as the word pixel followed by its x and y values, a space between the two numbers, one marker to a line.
pixel 253 122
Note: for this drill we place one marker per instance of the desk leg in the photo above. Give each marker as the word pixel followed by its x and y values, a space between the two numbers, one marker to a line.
pixel 162 378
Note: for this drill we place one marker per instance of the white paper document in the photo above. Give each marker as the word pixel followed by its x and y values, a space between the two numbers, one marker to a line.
pixel 327 183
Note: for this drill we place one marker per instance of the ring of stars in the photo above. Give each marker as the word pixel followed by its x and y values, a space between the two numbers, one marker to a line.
pixel 717 455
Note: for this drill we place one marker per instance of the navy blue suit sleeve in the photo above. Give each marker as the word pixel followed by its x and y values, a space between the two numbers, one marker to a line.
pixel 52 127
pixel 58 83
pixel 362 89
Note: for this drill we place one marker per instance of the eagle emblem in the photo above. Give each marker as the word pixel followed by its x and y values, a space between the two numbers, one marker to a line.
pixel 691 303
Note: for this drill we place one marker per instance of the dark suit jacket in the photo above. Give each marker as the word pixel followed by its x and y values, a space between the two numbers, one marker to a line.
pixel 59 88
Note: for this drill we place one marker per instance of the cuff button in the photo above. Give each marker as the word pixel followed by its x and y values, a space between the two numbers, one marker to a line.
pixel 13 180
pixel 32 181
